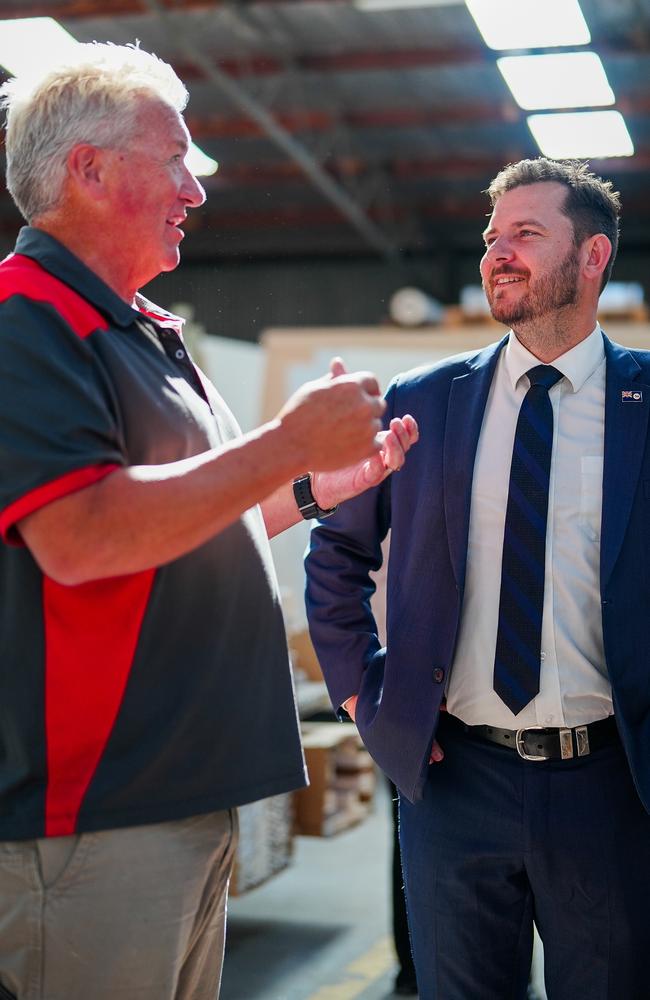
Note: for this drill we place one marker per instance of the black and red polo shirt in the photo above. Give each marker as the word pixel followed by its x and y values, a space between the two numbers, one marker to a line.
pixel 141 698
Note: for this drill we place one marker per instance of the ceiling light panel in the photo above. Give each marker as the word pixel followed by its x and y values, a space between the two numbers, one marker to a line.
pixel 529 24
pixel 36 42
pixel 29 42
pixel 557 80
pixel 581 135
pixel 371 5
pixel 199 163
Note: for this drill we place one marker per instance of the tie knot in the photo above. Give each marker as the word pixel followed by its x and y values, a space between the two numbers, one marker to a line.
pixel 545 375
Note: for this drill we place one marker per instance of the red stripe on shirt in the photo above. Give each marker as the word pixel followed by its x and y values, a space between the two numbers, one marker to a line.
pixel 20 275
pixel 42 495
pixel 91 634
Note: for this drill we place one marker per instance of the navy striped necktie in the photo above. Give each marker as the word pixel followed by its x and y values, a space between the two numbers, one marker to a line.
pixel 519 635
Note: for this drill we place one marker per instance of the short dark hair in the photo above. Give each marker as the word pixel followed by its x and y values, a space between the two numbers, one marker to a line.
pixel 591 203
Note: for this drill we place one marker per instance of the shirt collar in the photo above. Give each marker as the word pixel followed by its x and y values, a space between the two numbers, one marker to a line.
pixel 162 317
pixel 63 264
pixel 577 364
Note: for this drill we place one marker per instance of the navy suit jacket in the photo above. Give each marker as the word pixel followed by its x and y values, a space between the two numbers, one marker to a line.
pixel 426 506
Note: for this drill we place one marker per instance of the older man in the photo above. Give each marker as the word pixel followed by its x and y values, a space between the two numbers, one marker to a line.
pixel 145 690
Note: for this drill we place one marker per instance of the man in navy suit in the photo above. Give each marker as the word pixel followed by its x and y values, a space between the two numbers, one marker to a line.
pixel 518 601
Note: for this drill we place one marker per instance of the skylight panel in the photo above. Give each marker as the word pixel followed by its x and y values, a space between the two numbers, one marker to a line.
pixel 529 24
pixel 371 5
pixel 581 135
pixel 41 41
pixel 33 41
pixel 199 163
pixel 557 80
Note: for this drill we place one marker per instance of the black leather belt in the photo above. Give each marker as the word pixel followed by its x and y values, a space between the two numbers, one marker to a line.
pixel 542 743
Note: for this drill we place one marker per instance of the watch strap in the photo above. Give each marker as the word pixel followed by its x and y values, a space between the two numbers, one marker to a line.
pixel 306 501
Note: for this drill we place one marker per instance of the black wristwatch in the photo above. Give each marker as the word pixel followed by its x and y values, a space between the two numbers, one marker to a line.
pixel 305 499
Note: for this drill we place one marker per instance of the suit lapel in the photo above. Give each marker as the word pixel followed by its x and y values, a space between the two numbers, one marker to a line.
pixel 467 399
pixel 626 426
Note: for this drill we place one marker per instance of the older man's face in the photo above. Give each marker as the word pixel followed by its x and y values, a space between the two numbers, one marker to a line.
pixel 151 190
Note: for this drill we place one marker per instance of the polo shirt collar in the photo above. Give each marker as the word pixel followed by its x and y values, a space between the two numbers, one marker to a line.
pixel 577 364
pixel 63 264
pixel 162 317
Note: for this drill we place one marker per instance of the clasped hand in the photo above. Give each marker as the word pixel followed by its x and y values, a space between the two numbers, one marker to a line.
pixel 333 487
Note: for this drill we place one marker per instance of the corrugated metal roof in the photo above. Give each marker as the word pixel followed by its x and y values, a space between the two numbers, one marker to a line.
pixel 404 110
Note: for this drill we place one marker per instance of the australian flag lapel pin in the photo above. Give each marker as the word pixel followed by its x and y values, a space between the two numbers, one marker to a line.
pixel 631 396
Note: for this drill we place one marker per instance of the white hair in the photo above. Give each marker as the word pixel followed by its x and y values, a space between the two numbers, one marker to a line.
pixel 93 96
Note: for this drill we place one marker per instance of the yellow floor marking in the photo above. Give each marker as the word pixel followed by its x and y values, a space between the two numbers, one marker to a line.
pixel 360 974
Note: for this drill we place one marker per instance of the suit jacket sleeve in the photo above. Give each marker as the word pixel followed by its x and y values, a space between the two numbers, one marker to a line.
pixel 344 550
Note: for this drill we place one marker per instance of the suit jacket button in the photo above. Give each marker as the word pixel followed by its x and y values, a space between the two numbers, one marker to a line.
pixel 438 675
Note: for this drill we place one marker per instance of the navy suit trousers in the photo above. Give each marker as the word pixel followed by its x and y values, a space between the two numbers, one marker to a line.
pixel 498 842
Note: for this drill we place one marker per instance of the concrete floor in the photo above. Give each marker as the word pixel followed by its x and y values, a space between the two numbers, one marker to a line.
pixel 320 929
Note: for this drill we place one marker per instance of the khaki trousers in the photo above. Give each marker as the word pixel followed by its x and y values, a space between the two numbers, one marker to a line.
pixel 130 914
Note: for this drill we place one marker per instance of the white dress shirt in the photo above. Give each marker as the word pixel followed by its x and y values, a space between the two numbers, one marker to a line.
pixel 574 686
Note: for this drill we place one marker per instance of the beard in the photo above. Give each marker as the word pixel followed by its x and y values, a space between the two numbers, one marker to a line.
pixel 551 292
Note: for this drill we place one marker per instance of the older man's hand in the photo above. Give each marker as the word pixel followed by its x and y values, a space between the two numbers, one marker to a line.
pixel 332 487
pixel 333 421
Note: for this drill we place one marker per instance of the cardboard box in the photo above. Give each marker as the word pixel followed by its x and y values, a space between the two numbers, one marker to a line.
pixel 342 780
pixel 265 842
pixel 303 655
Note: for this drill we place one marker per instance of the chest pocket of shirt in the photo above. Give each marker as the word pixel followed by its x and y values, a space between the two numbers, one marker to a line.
pixel 591 493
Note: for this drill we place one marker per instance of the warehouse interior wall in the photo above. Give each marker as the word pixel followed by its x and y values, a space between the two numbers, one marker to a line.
pixel 239 299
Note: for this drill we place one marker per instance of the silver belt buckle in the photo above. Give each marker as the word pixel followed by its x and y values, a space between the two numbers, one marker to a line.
pixel 519 744
pixel 582 740
pixel 566 744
